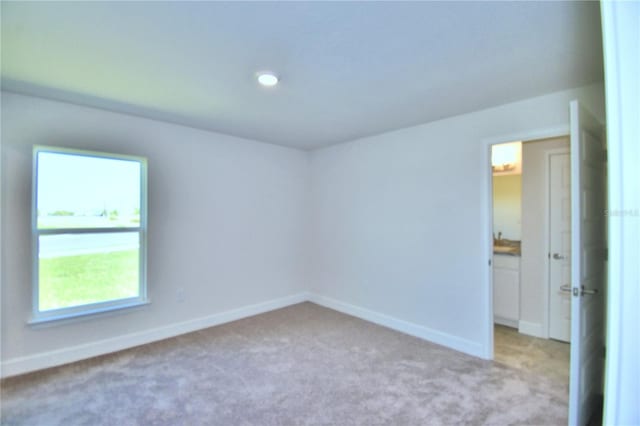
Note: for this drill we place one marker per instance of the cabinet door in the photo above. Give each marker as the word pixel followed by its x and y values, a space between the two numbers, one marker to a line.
pixel 506 293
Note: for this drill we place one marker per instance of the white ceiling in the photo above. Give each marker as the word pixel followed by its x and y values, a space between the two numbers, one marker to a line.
pixel 348 69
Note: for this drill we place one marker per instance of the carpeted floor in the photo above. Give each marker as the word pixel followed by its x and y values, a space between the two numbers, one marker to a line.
pixel 300 365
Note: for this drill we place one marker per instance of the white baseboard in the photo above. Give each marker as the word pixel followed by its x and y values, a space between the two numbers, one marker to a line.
pixel 531 328
pixel 506 322
pixel 16 366
pixel 438 337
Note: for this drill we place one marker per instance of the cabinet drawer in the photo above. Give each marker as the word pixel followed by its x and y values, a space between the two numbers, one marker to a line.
pixel 506 262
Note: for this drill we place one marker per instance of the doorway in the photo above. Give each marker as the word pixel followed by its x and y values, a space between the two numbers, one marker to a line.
pixel 588 261
pixel 531 230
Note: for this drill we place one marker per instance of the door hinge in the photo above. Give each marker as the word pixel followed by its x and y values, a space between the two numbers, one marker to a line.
pixel 489 262
pixel 605 155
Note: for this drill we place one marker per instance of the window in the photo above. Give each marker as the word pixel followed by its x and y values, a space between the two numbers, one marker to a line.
pixel 89 232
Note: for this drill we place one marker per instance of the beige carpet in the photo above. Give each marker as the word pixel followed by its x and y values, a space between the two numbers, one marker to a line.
pixel 300 365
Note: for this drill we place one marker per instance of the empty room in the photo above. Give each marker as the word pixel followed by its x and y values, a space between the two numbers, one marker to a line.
pixel 287 213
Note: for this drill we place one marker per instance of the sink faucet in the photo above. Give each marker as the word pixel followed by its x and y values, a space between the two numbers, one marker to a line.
pixel 497 241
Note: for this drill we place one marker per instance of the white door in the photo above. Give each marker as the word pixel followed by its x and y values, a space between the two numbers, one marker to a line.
pixel 587 263
pixel 560 246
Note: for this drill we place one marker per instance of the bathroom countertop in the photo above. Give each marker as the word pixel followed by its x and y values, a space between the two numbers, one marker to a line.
pixel 506 247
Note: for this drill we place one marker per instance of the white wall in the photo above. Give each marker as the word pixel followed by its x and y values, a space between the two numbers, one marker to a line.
pixel 400 219
pixel 227 222
pixel 507 206
pixel 533 266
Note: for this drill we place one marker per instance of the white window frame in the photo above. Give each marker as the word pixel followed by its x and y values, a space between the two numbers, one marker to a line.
pixel 39 316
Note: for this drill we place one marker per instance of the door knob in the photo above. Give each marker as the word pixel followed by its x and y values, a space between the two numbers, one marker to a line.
pixel 556 256
pixel 590 291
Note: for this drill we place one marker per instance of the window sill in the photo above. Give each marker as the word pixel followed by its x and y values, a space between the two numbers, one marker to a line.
pixel 71 317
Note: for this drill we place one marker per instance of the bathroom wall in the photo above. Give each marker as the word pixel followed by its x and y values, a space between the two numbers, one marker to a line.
pixel 507 206
pixel 533 266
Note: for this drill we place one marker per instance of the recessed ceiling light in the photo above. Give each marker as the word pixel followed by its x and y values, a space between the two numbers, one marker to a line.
pixel 267 78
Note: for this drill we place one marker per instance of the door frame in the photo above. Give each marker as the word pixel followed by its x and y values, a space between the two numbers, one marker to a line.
pixel 546 288
pixel 487 197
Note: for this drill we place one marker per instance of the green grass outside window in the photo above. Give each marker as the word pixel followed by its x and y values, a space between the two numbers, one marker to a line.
pixel 67 281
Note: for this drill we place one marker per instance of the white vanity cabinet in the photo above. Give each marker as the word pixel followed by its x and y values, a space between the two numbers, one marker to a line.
pixel 506 289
